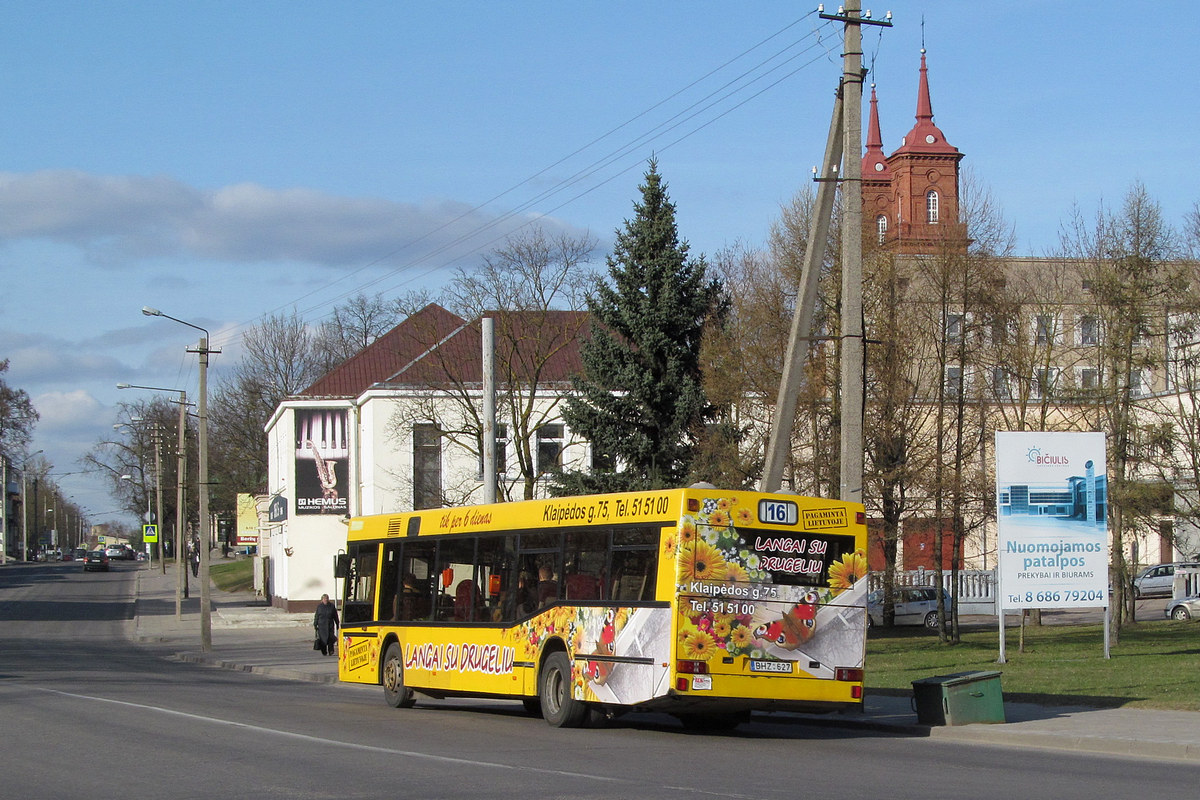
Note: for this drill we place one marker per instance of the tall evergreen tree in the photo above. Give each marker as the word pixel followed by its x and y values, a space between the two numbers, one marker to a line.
pixel 640 401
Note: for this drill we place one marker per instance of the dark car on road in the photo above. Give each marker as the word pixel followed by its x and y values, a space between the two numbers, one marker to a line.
pixel 96 559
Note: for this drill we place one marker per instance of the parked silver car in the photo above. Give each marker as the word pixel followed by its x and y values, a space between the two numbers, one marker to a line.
pixel 1184 608
pixel 1157 581
pixel 915 605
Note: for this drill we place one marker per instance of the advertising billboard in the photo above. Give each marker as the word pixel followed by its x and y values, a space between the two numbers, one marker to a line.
pixel 322 461
pixel 247 520
pixel 1051 513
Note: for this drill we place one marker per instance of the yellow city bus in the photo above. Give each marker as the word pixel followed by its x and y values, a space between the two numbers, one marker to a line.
pixel 702 603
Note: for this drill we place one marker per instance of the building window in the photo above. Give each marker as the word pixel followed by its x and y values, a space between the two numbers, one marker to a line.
pixel 501 452
pixel 881 227
pixel 1045 329
pixel 602 461
pixel 999 330
pixel 1137 383
pixel 549 448
pixel 931 207
pixel 954 382
pixel 1089 330
pixel 955 324
pixel 1089 379
pixel 1043 383
pixel 1001 388
pixel 427 466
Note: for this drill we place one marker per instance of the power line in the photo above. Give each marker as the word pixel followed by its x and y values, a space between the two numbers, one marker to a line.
pixel 724 93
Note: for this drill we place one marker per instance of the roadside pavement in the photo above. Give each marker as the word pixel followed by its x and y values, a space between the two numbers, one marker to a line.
pixel 250 636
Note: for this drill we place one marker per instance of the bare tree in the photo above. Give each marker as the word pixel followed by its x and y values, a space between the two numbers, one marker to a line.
pixel 142 427
pixel 1130 258
pixel 360 321
pixel 534 286
pixel 279 360
pixel 17 416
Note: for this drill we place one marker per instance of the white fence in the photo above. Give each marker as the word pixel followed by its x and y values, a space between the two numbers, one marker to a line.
pixel 976 587
pixel 1186 583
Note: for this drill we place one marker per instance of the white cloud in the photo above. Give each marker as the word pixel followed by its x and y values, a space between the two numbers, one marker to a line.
pixel 68 411
pixel 118 218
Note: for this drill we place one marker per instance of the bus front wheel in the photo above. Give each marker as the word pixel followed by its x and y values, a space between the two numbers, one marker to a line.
pixel 559 707
pixel 394 690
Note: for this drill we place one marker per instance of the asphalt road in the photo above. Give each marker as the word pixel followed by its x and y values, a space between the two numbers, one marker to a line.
pixel 85 713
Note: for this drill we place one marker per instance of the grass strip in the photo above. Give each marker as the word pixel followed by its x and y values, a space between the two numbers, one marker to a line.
pixel 1155 665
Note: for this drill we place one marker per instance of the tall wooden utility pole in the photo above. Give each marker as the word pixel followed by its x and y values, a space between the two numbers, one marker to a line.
pixel 852 273
pixel 792 381
pixel 844 144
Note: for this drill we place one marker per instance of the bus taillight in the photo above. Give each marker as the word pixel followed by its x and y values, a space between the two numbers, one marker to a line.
pixel 853 674
pixel 693 667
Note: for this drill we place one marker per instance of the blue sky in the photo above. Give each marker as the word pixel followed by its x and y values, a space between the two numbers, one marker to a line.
pixel 225 160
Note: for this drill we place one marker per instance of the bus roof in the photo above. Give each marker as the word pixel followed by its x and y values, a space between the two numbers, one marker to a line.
pixel 622 508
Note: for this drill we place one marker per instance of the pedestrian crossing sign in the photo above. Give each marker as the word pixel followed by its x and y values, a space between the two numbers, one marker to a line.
pixel 150 533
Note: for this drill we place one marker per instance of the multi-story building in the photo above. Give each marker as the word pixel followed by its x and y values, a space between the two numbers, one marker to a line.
pixel 1099 339
pixel 398 426
pixel 996 343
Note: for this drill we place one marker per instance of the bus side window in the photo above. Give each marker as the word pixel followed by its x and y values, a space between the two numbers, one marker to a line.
pixel 388 581
pixel 496 575
pixel 455 565
pixel 358 597
pixel 634 575
pixel 586 557
pixel 416 569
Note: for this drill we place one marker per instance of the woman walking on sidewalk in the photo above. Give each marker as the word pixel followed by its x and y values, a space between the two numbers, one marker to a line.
pixel 326 623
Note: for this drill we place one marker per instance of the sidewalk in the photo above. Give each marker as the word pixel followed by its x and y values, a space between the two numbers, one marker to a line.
pixel 250 636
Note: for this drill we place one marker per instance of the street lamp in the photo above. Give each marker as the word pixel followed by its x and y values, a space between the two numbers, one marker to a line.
pixel 156 440
pixel 52 513
pixel 3 508
pixel 181 588
pixel 202 408
pixel 25 507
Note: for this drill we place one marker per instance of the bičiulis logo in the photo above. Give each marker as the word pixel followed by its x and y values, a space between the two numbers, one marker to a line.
pixel 1036 456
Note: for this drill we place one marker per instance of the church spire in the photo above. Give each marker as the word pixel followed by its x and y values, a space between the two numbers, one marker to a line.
pixel 916 207
pixel 925 136
pixel 924 107
pixel 874 162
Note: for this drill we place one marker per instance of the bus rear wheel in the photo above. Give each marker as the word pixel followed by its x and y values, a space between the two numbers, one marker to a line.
pixel 394 691
pixel 559 707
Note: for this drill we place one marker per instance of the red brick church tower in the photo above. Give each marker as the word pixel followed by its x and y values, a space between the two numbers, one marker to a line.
pixel 910 198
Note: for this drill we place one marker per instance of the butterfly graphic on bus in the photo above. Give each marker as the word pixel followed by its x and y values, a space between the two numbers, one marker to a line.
pixel 795 627
pixel 598 671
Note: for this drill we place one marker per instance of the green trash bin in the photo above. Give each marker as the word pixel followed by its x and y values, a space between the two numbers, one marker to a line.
pixel 959 699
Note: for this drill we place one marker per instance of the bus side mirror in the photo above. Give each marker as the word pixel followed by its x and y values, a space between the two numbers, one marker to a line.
pixel 341 567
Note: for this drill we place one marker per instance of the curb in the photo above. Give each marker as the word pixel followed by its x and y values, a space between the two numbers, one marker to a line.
pixel 1069 742
pixel 269 671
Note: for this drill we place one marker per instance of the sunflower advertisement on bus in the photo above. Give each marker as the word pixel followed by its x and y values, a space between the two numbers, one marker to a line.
pixel 786 603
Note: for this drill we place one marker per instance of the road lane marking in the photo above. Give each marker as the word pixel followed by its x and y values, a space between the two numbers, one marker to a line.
pixel 385 750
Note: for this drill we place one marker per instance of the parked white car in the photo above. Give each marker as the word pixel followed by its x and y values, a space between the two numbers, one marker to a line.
pixel 1183 609
pixel 915 605
pixel 1157 581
